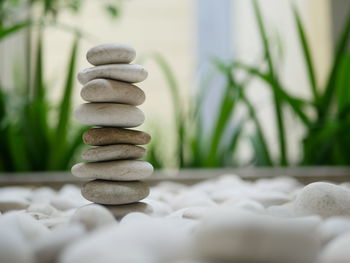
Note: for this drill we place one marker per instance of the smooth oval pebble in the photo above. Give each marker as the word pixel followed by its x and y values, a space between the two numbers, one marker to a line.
pixel 107 90
pixel 323 199
pixel 110 53
pixel 109 114
pixel 114 193
pixel 123 170
pixel 124 72
pixel 113 152
pixel 107 136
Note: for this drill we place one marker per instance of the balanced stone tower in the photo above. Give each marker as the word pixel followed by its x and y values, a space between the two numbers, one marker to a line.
pixel 112 165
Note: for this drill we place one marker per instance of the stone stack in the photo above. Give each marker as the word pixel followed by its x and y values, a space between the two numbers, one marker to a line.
pixel 112 99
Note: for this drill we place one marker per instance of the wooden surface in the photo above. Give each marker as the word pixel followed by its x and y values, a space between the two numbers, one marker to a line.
pixel 303 174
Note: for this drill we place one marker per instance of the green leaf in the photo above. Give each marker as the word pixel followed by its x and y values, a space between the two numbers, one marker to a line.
pixel 342 85
pixel 5 32
pixel 330 87
pixel 307 54
pixel 60 140
pixel 226 109
pixel 296 104
pixel 176 102
pixel 71 149
pixel 274 83
pixel 262 154
pixel 113 10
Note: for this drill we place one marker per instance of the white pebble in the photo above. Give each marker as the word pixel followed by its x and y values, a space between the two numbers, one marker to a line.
pixel 48 249
pixel 333 227
pixel 14 198
pixel 237 236
pixel 29 228
pixel 13 248
pixel 323 199
pixel 93 216
pixel 337 251
pixel 69 197
pixel 191 198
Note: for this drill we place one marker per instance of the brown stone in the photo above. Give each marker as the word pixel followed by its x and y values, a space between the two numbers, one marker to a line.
pixel 113 152
pixel 114 193
pixel 107 136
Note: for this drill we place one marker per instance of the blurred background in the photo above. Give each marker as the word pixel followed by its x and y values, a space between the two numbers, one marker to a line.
pixel 232 83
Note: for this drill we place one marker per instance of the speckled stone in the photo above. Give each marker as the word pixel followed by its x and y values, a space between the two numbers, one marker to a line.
pixel 113 152
pixel 110 54
pixel 114 193
pixel 124 72
pixel 109 114
pixel 107 136
pixel 122 170
pixel 106 90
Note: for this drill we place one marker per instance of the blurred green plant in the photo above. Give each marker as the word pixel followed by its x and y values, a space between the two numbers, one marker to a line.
pixel 325 117
pixel 34 134
pixel 194 148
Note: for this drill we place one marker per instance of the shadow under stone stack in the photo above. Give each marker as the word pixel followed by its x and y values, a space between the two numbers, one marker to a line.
pixel 112 99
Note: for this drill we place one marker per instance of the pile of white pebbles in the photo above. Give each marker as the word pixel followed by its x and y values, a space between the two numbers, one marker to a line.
pixel 225 219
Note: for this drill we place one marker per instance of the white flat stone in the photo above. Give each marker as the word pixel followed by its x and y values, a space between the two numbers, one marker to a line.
pixel 113 152
pixel 108 114
pixel 114 193
pixel 107 90
pixel 123 170
pixel 123 72
pixel 247 237
pixel 110 53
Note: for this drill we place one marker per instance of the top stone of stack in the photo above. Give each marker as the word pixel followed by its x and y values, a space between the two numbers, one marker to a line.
pixel 111 54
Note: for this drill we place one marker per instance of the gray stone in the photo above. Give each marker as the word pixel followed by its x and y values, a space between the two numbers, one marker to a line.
pixel 123 170
pixel 110 53
pixel 114 193
pixel 124 72
pixel 107 90
pixel 113 152
pixel 109 114
pixel 107 136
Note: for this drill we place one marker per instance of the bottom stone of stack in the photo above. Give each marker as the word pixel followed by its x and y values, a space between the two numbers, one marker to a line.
pixel 114 192
pixel 119 211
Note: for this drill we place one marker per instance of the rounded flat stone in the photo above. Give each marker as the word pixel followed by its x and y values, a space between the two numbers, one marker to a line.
pixel 114 193
pixel 124 72
pixel 119 211
pixel 113 152
pixel 109 114
pixel 122 170
pixel 107 90
pixel 107 136
pixel 110 54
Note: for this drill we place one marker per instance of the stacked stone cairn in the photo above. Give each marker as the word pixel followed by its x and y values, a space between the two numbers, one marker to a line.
pixel 112 165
